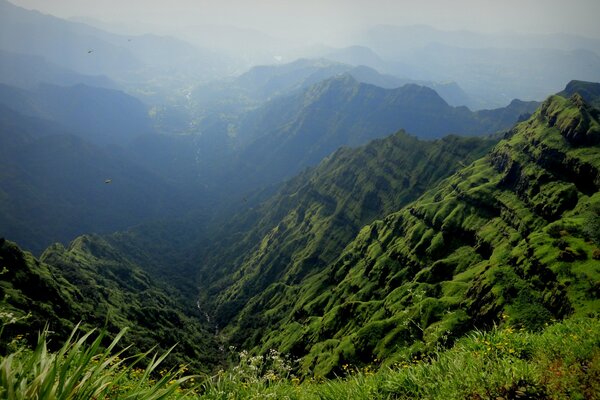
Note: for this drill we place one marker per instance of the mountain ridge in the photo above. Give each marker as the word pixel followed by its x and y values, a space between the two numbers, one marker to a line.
pixel 483 243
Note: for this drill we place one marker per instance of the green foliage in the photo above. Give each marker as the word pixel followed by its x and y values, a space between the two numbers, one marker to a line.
pixel 563 361
pixel 83 369
pixel 93 283
pixel 314 216
pixel 512 233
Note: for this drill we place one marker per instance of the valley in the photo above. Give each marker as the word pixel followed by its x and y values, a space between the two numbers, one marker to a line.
pixel 413 214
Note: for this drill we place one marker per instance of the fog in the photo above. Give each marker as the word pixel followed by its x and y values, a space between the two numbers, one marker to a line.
pixel 333 22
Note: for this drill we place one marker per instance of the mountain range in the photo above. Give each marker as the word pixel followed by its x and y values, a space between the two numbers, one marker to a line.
pixel 387 250
pixel 393 247
pixel 271 143
pixel 302 224
pixel 509 236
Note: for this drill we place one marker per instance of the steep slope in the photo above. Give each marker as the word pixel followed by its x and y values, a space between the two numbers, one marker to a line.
pixel 52 185
pixel 308 222
pixel 292 133
pixel 589 91
pixel 511 238
pixel 231 154
pixel 90 282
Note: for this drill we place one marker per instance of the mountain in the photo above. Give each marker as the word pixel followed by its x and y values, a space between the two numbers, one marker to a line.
pixel 389 39
pixel 82 48
pixel 312 217
pixel 237 145
pixel 27 72
pixel 498 119
pixel 390 251
pixel 265 82
pixel 492 68
pixel 529 74
pixel 61 42
pixel 102 116
pixel 91 283
pixel 513 236
pixel 356 55
pixel 52 185
pixel 590 92
pixel 297 131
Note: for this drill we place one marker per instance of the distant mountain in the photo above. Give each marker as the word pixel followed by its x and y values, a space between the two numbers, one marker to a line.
pixel 512 236
pixel 72 45
pixel 357 55
pixel 193 171
pixel 499 118
pixel 102 116
pixel 388 40
pixel 89 282
pixel 88 50
pixel 52 185
pixel 492 68
pixel 297 131
pixel 265 82
pixel 27 71
pixel 494 76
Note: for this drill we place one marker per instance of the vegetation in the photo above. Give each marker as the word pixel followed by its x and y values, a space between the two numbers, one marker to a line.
pixel 562 361
pixel 508 234
pixel 310 220
pixel 83 369
pixel 368 276
pixel 90 282
pixel 279 243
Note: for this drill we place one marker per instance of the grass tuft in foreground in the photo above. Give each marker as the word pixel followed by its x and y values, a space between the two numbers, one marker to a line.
pixel 560 362
pixel 83 369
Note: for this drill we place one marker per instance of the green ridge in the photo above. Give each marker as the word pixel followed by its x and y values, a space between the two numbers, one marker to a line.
pixel 314 216
pixel 510 238
pixel 92 283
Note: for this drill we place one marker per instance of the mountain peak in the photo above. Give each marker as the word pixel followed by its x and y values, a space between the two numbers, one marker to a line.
pixel 589 91
pixel 341 83
pixel 576 120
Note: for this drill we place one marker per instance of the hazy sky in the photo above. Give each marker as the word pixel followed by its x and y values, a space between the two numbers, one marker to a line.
pixel 321 18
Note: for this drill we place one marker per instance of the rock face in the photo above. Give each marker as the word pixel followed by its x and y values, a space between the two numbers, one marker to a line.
pixel 507 238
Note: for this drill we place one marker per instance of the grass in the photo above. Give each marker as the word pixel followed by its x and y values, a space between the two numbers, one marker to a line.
pixel 84 369
pixel 560 362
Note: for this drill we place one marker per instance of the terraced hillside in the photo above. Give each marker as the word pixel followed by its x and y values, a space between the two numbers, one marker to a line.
pixel 310 220
pixel 512 237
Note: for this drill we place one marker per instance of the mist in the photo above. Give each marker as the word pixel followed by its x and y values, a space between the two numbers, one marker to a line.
pixel 334 21
pixel 409 190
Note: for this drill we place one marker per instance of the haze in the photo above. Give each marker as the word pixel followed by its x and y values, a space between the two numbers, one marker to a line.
pixel 331 22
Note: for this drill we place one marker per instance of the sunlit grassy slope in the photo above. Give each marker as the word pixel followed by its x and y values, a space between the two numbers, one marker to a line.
pixel 455 295
pixel 513 236
pixel 561 362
